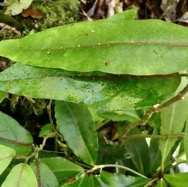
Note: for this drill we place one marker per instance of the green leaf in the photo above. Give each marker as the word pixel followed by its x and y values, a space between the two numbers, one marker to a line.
pixel 6 155
pixel 172 122
pixel 109 154
pixel 140 47
pixel 127 115
pixel 45 176
pixel 13 135
pixel 62 168
pixel 2 96
pixel 155 156
pixel 120 180
pixel 46 130
pixel 175 180
pixel 20 176
pixel 186 140
pixel 138 152
pixel 161 183
pixel 103 92
pixel 76 125
pixel 15 7
pixel 83 181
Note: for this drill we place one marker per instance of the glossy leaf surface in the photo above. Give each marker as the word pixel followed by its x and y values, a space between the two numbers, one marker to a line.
pixel 178 179
pixel 172 122
pixel 6 155
pixel 155 155
pixel 21 176
pixel 45 176
pixel 75 124
pixel 83 181
pixel 108 92
pixel 161 183
pixel 62 168
pixel 13 135
pixel 120 180
pixel 138 152
pixel 140 47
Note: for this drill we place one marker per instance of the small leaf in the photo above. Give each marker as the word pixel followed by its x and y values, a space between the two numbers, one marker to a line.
pixel 75 124
pixel 46 130
pixel 176 180
pixel 15 7
pixel 20 176
pixel 45 176
pixel 13 135
pixel 2 96
pixel 62 168
pixel 101 91
pixel 6 155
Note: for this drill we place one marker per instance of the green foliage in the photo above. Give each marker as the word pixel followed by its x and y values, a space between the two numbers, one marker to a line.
pixel 17 137
pixel 75 122
pixel 21 175
pixel 179 179
pixel 174 123
pixel 6 155
pixel 107 92
pixel 84 47
pixel 89 71
pixel 2 96
pixel 15 7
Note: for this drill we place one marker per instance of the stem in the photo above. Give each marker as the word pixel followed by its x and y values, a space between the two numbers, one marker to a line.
pixel 164 136
pixel 156 108
pixel 49 111
pixel 151 182
pixel 118 166
pixel 125 76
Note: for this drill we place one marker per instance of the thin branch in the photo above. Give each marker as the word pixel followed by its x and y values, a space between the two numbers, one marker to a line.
pixel 96 167
pixel 156 108
pixel 157 136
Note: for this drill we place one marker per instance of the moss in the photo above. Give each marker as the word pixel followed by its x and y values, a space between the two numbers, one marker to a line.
pixel 56 13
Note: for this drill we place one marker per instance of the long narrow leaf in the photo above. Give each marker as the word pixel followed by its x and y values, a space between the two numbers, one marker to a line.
pixel 106 91
pixel 172 122
pixel 75 124
pixel 118 46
